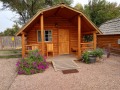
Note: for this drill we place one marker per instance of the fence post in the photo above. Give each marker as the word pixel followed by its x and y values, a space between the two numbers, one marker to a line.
pixel 108 51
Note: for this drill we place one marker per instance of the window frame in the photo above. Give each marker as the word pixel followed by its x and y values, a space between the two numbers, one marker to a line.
pixel 44 35
pixel 37 36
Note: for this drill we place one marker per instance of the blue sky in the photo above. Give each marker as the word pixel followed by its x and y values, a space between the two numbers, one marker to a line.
pixel 7 17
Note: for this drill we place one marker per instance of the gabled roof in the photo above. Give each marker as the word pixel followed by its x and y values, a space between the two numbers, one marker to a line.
pixel 111 27
pixel 42 11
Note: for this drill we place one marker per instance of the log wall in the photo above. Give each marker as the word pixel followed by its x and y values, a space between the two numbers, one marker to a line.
pixel 104 41
pixel 54 24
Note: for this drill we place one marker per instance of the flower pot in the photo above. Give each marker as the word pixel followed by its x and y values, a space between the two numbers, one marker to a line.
pixel 92 59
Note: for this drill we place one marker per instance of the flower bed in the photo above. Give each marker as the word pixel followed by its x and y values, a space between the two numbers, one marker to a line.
pixel 33 63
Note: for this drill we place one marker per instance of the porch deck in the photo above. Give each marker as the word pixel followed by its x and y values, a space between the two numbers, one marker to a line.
pixel 62 57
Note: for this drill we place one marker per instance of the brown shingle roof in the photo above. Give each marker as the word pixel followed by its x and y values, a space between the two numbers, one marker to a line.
pixel 111 27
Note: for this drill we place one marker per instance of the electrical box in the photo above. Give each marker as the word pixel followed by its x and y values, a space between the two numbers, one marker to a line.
pixel 118 41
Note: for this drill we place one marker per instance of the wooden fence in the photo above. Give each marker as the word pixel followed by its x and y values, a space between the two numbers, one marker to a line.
pixel 10 42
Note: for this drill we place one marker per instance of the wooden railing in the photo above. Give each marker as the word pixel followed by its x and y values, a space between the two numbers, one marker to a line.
pixel 87 46
pixel 31 47
pixel 114 50
pixel 84 46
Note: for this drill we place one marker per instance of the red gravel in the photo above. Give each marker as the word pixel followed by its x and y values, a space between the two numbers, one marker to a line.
pixel 103 75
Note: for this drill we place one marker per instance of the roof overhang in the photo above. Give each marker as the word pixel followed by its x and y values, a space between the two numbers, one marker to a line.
pixel 48 10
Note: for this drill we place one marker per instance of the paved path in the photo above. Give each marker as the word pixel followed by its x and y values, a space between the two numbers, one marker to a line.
pixel 7 73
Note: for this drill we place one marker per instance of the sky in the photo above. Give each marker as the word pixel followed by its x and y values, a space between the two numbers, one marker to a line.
pixel 8 17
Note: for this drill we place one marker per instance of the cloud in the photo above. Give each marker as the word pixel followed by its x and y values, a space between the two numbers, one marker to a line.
pixel 7 18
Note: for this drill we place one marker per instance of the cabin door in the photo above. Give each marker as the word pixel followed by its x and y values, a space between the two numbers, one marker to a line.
pixel 63 41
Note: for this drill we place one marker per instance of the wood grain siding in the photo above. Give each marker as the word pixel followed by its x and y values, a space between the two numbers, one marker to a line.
pixel 79 36
pixel 42 32
pixel 73 38
pixel 104 40
pixel 94 40
pixel 32 33
pixel 54 24
pixel 23 44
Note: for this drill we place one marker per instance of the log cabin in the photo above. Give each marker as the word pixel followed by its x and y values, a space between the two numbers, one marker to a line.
pixel 61 26
pixel 111 34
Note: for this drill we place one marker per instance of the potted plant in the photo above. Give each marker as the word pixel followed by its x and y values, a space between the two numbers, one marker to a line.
pixel 90 56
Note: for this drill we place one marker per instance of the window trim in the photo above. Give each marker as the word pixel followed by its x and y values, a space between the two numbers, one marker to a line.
pixel 51 35
pixel 37 36
pixel 44 35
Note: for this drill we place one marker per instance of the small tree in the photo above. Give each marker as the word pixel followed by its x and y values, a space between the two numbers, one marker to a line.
pixel 27 8
pixel 79 7
pixel 10 31
pixel 99 11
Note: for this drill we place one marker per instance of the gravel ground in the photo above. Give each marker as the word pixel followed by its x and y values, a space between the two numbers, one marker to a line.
pixel 7 73
pixel 103 75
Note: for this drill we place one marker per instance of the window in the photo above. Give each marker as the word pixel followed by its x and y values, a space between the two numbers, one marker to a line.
pixel 47 35
pixel 39 36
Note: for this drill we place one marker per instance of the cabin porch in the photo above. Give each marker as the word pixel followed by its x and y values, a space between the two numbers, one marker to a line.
pixel 66 29
pixel 62 57
pixel 72 48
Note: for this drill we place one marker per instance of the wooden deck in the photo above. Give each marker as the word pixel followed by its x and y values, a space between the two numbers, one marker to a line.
pixel 62 57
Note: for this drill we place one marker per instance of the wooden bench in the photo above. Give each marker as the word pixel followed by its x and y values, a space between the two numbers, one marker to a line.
pixel 31 47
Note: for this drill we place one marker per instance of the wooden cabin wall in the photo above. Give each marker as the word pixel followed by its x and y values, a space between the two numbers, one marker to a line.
pixel 73 39
pixel 104 40
pixel 49 24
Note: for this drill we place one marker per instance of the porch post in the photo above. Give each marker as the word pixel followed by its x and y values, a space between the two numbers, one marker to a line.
pixel 42 32
pixel 79 36
pixel 94 40
pixel 23 44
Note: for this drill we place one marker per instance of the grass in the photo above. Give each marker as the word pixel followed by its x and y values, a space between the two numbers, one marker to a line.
pixel 7 57
pixel 12 53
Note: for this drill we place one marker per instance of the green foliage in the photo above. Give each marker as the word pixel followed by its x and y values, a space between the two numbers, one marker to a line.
pixel 27 8
pixel 33 63
pixel 88 38
pixel 10 31
pixel 1 34
pixel 97 53
pixel 85 57
pixel 79 7
pixel 100 11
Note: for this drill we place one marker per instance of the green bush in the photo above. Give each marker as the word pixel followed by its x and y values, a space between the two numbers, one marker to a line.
pixel 33 63
pixel 97 53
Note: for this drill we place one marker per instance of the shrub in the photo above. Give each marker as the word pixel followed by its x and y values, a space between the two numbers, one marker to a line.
pixel 85 57
pixel 99 52
pixel 96 53
pixel 33 63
